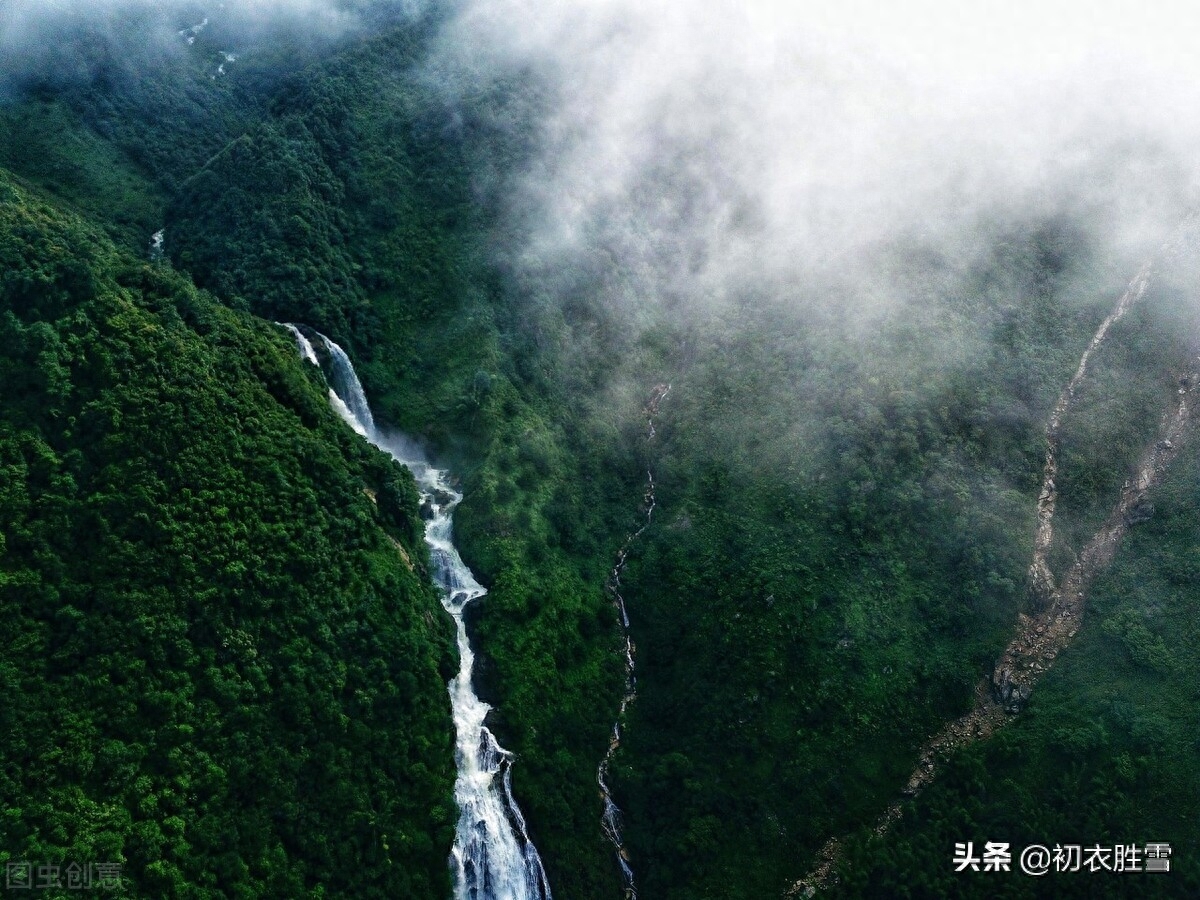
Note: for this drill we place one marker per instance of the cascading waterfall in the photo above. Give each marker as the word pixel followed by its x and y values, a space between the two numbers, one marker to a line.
pixel 347 394
pixel 305 345
pixel 493 857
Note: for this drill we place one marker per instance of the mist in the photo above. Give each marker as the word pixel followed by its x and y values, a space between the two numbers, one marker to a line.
pixel 695 159
pixel 702 157
pixel 66 43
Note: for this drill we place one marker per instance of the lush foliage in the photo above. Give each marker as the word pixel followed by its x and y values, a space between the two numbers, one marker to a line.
pixel 1105 754
pixel 249 671
pixel 350 208
pixel 224 661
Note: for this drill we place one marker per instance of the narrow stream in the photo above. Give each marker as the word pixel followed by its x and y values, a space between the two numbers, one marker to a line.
pixel 610 817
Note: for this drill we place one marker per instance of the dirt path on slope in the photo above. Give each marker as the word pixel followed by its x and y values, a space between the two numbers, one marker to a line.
pixel 1042 635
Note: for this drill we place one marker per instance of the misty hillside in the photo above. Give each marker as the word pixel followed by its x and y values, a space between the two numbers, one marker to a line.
pixel 820 397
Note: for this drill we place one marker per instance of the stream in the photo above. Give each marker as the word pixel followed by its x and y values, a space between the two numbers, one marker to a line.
pixel 610 818
pixel 493 857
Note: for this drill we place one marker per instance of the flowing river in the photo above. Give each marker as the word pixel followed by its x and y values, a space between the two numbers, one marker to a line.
pixel 493 857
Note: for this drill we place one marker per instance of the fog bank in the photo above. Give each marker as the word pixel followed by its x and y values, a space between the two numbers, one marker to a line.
pixel 701 154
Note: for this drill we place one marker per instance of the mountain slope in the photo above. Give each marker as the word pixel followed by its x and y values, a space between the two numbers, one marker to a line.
pixel 230 662
pixel 847 492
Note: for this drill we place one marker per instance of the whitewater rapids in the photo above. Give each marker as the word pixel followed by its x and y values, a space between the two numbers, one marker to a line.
pixel 493 857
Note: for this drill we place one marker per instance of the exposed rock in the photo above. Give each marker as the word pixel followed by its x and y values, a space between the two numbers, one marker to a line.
pixel 1038 642
pixel 403 553
pixel 1002 685
pixel 1011 696
pixel 1041 588
pixel 1142 511
pixel 1019 699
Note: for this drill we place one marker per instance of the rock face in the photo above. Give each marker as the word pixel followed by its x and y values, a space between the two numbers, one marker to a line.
pixel 436 499
pixel 1011 696
pixel 1040 590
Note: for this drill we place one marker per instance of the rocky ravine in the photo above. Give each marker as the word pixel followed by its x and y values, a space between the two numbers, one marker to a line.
pixel 1042 635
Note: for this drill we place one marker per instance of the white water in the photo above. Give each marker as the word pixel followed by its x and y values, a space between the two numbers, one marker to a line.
pixel 346 387
pixel 493 857
pixel 306 347
pixel 610 817
pixel 189 34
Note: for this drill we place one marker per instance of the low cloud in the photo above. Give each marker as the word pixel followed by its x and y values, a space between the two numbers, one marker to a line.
pixel 66 42
pixel 702 154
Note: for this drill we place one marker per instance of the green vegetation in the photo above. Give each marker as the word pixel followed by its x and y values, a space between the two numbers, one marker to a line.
pixel 1106 752
pixel 43 142
pixel 222 670
pixel 341 196
pixel 232 681
pixel 841 555
pixel 350 208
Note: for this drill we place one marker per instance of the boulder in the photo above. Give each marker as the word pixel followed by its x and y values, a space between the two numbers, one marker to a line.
pixel 1011 696
pixel 1142 511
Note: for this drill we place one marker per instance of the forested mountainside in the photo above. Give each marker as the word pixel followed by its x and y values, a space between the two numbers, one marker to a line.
pixel 230 659
pixel 223 656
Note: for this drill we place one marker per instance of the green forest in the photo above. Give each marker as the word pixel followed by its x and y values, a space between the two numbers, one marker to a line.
pixel 224 662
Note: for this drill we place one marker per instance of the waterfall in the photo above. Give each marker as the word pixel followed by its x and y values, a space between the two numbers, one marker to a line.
pixel 610 817
pixel 493 857
pixel 347 388
pixel 305 345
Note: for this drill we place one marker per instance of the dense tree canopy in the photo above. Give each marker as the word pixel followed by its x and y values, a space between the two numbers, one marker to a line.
pixel 231 681
pixel 224 675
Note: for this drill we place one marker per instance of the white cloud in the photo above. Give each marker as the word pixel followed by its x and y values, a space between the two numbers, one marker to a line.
pixel 710 148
